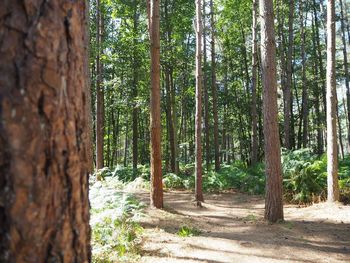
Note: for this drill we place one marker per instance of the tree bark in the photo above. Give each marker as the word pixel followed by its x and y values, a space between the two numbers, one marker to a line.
pixel 44 138
pixel 198 118
pixel 273 201
pixel 155 120
pixel 214 89
pixel 332 149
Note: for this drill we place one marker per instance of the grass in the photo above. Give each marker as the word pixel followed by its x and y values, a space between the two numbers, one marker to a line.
pixel 187 231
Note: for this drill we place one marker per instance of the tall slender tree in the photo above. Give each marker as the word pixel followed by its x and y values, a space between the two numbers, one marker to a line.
pixel 214 89
pixel 305 95
pixel 44 137
pixel 198 118
pixel 273 196
pixel 345 62
pixel 206 92
pixel 287 90
pixel 99 88
pixel 155 121
pixel 135 130
pixel 332 148
pixel 254 156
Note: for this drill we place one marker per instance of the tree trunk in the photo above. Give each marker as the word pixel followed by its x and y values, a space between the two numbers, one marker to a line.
pixel 44 137
pixel 126 145
pixel 305 99
pixel 273 201
pixel 198 118
pixel 254 155
pixel 214 89
pixel 170 124
pixel 135 132
pixel 332 151
pixel 99 91
pixel 174 122
pixel 320 60
pixel 206 95
pixel 346 68
pixel 155 120
pixel 341 146
pixel 287 91
pixel 317 93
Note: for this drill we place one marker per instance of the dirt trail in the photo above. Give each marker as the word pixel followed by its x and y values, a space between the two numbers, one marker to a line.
pixel 233 230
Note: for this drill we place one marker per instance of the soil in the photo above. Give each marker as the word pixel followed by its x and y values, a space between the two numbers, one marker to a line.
pixel 232 229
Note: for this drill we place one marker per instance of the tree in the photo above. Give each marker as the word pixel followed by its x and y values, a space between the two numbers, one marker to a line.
pixel 214 89
pixel 254 85
pixel 305 96
pixel 332 148
pixel 288 85
pixel 206 95
pixel 135 132
pixel 273 197
pixel 346 66
pixel 155 122
pixel 44 137
pixel 198 119
pixel 99 89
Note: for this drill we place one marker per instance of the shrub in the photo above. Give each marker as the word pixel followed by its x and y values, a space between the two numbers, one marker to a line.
pixel 173 181
pixel 304 176
pixel 115 234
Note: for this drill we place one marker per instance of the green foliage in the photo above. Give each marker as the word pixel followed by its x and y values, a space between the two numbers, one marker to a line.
pixel 116 235
pixel 103 173
pixel 125 174
pixel 250 218
pixel 187 231
pixel 173 181
pixel 304 176
pixel 344 179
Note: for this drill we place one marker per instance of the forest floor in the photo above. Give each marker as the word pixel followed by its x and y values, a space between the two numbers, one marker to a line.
pixel 232 229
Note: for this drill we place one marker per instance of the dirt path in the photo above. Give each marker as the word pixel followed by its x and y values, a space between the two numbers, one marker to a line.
pixel 233 230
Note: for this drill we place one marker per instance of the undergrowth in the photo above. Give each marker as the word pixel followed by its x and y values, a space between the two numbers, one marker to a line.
pixel 187 231
pixel 116 235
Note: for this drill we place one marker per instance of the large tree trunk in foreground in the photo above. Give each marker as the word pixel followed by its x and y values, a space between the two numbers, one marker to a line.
pixel 155 122
pixel 332 149
pixel 44 137
pixel 198 118
pixel 273 201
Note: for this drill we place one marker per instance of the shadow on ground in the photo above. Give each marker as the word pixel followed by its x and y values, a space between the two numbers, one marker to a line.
pixel 233 230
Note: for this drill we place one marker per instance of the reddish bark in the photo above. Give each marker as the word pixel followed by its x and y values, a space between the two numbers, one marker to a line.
pixel 155 123
pixel 273 196
pixel 44 137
